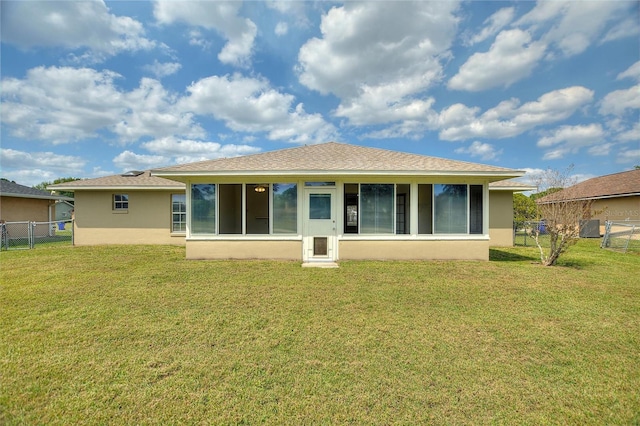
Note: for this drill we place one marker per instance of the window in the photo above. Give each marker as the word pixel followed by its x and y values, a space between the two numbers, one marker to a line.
pixel 178 213
pixel 425 210
pixel 203 208
pixel 230 198
pixel 319 184
pixel 376 205
pixel 257 205
pixel 403 201
pixel 450 209
pixel 475 209
pixel 319 206
pixel 285 208
pixel 351 208
pixel 120 202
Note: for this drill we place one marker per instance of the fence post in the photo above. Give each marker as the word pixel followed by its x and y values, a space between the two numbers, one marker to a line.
pixel 31 234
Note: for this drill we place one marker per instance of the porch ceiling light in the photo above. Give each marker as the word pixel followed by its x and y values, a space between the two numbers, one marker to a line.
pixel 260 188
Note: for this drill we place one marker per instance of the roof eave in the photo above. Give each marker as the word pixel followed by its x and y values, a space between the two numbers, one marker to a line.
pixel 118 188
pixel 37 197
pixel 499 175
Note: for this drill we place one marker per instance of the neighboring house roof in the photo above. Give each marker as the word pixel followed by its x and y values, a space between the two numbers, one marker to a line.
pixel 129 180
pixel 12 189
pixel 623 184
pixel 511 185
pixel 334 158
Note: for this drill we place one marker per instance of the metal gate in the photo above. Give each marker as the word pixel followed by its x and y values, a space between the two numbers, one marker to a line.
pixel 27 235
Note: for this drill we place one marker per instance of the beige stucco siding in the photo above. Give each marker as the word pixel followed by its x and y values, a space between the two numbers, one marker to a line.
pixel 410 250
pixel 617 209
pixel 146 221
pixel 17 209
pixel 349 250
pixel 501 218
pixel 250 249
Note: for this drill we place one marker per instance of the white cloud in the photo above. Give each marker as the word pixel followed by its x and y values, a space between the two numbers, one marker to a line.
pixel 493 24
pixel 619 101
pixel 573 137
pixel 627 28
pixel 62 104
pixel 281 29
pixel 32 168
pixel 239 32
pixel 188 151
pixel 569 139
pixel 629 134
pixel 379 58
pixel 72 25
pixel 163 69
pixel 509 118
pixel 128 160
pixel 511 58
pixel 153 111
pixel 13 159
pixel 600 150
pixel 251 105
pixel 572 26
pixel 377 43
pixel 632 72
pixel 485 151
pixel 629 156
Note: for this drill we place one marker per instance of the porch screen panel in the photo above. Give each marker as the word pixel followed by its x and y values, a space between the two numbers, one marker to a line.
pixel 203 208
pixel 285 208
pixel 230 212
pixel 475 209
pixel 450 209
pixel 425 211
pixel 376 204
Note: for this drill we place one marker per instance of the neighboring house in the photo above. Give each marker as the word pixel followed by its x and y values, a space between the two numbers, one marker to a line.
pixel 64 210
pixel 334 201
pixel 131 208
pixel 19 203
pixel 615 197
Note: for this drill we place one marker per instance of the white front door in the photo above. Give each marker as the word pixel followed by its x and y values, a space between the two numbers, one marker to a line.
pixel 319 225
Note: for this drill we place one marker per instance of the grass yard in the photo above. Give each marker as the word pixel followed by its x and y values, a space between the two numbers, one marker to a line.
pixel 139 335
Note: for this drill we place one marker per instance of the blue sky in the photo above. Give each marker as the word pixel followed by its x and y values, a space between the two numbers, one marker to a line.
pixel 94 88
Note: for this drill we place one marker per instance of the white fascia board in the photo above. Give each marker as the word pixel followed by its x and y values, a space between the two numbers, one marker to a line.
pixel 333 173
pixel 120 188
pixel 514 188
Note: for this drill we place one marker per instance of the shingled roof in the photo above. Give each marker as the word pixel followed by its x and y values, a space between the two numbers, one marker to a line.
pixel 12 189
pixel 334 158
pixel 130 180
pixel 623 184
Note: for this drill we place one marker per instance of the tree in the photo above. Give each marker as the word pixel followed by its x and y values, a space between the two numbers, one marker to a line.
pixel 43 185
pixel 524 209
pixel 562 212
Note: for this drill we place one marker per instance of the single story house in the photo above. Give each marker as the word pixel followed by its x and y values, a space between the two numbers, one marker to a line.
pixel 316 203
pixel 615 197
pixel 19 203
pixel 64 210
pixel 130 208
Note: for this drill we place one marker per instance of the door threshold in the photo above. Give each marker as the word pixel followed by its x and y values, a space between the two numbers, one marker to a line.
pixel 319 265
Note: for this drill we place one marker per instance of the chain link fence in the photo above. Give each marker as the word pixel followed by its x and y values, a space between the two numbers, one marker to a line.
pixel 622 236
pixel 523 234
pixel 28 235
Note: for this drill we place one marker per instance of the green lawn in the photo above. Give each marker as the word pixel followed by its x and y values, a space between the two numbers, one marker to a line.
pixel 139 335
